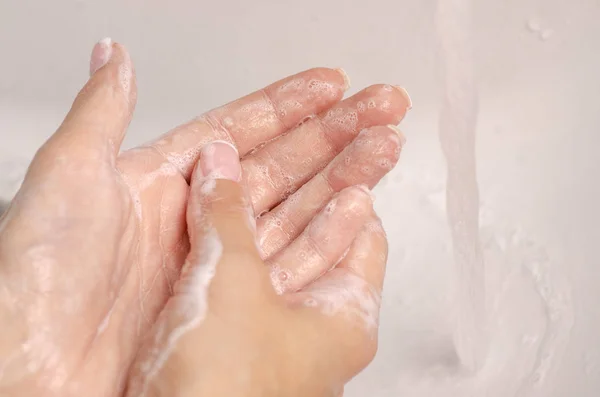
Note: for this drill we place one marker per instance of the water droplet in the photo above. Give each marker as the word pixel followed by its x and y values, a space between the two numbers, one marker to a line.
pixel 546 34
pixel 534 25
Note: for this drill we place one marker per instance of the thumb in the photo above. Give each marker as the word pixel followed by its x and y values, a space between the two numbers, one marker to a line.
pixel 100 115
pixel 219 216
pixel 221 233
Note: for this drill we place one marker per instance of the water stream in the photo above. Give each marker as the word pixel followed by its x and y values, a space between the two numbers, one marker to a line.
pixel 457 131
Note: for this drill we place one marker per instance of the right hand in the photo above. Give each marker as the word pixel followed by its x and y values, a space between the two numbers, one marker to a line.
pixel 225 332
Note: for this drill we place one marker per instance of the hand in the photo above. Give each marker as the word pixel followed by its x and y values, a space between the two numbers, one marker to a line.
pixel 93 242
pixel 225 332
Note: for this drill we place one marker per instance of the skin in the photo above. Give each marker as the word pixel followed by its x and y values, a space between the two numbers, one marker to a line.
pixel 245 339
pixel 92 246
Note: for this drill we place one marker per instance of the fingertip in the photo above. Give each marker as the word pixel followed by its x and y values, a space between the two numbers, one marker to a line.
pixel 383 104
pixel 345 77
pixel 399 133
pixel 405 95
pixel 385 141
pixel 110 64
pixel 368 254
pixel 354 202
pixel 365 189
pixel 101 54
pixel 219 160
pixel 218 199
pixel 103 108
pixel 372 154
pixel 107 52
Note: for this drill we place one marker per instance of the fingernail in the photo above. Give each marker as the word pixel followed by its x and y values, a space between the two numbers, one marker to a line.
pixel 398 132
pixel 100 55
pixel 220 160
pixel 366 190
pixel 405 95
pixel 345 77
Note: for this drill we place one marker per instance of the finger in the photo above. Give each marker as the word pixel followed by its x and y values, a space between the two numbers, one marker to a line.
pixel 364 162
pixel 220 224
pixel 97 122
pixel 345 302
pixel 367 257
pixel 282 166
pixel 221 234
pixel 256 118
pixel 323 242
pixel 217 202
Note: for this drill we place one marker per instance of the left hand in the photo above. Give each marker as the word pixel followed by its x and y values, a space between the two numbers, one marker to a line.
pixel 94 240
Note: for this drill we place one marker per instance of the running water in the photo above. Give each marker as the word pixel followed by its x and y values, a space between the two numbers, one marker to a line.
pixel 457 135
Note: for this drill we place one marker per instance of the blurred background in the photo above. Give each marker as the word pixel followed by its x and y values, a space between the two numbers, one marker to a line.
pixel 535 73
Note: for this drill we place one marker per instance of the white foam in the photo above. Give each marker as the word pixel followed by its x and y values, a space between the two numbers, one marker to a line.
pixel 125 76
pixel 342 292
pixel 228 122
pixel 293 85
pixel 209 185
pixel 319 86
pixel 344 119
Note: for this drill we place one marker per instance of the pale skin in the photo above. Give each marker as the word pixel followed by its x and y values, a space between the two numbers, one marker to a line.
pixel 93 245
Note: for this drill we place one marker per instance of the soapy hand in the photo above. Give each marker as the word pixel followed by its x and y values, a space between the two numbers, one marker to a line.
pixel 92 246
pixel 227 332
